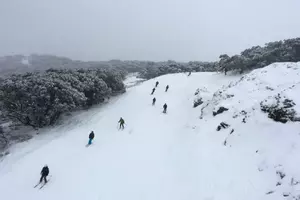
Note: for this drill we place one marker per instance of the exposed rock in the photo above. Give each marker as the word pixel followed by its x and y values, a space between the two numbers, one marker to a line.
pixel 198 102
pixel 269 88
pixel 294 182
pixel 220 110
pixel 270 192
pixel 280 174
pixel 285 194
pixel 222 125
pixel 278 184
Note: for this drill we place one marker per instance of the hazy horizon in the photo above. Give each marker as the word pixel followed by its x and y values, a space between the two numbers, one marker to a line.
pixel 180 30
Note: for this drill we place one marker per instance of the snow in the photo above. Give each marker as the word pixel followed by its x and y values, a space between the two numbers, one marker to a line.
pixel 132 80
pixel 174 156
pixel 25 61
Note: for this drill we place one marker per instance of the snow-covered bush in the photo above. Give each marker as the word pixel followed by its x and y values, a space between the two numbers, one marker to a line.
pixel 279 108
pixel 220 95
pixel 113 79
pixel 199 94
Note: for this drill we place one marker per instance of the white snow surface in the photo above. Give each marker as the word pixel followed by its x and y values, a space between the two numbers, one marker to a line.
pixel 132 80
pixel 173 156
pixel 25 61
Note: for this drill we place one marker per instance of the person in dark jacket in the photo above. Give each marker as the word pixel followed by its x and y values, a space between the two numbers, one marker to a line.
pixel 153 90
pixel 153 101
pixel 156 84
pixel 122 122
pixel 165 108
pixel 167 88
pixel 91 137
pixel 44 174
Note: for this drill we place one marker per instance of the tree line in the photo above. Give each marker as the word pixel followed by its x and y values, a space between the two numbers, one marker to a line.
pixel 258 57
pixel 249 59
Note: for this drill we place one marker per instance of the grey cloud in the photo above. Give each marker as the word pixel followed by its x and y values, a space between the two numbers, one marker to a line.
pixel 179 30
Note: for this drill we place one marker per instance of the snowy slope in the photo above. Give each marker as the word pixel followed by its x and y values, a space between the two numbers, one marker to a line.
pixel 175 156
pixel 132 80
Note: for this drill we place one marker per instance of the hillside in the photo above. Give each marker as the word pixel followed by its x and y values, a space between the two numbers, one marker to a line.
pixel 287 50
pixel 179 155
pixel 20 64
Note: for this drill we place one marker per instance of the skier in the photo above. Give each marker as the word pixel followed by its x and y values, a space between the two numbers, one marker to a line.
pixel 165 108
pixel 167 88
pixel 44 173
pixel 153 101
pixel 189 73
pixel 156 84
pixel 153 90
pixel 91 137
pixel 122 122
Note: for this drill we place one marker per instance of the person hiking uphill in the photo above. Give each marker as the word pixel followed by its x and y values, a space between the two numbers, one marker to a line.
pixel 156 84
pixel 44 174
pixel 122 122
pixel 153 101
pixel 167 88
pixel 165 108
pixel 91 137
pixel 153 90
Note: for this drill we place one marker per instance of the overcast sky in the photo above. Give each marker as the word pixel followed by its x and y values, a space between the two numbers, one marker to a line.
pixel 180 30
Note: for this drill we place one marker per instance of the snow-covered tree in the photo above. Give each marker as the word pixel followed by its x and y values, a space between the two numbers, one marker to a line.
pixel 39 99
pixel 257 57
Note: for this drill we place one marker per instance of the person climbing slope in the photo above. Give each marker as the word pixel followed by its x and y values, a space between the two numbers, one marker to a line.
pixel 165 108
pixel 122 122
pixel 167 87
pixel 153 90
pixel 156 84
pixel 153 101
pixel 91 137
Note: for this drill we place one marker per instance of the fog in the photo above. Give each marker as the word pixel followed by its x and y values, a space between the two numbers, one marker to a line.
pixel 180 30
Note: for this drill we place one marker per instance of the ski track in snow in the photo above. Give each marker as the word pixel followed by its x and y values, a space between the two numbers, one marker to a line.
pixel 161 156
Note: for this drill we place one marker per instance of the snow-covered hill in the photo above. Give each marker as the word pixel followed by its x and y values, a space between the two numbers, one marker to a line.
pixel 184 154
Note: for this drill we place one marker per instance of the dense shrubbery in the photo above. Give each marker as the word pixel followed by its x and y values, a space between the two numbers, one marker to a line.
pixel 154 69
pixel 147 69
pixel 258 57
pixel 39 99
pixel 249 59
